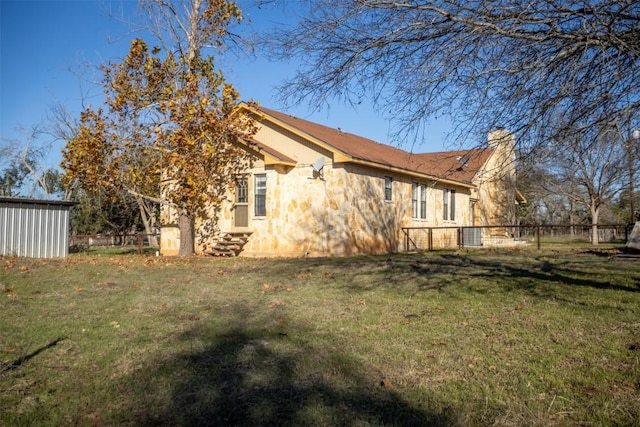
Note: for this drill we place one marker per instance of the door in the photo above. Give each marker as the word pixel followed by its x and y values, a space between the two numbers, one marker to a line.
pixel 241 209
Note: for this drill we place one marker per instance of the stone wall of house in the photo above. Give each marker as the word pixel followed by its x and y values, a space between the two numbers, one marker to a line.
pixel 169 240
pixel 446 236
pixel 360 219
pixel 497 185
pixel 340 213
pixel 343 212
pixel 294 224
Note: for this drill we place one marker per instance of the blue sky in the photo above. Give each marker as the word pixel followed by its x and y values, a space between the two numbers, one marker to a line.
pixel 49 51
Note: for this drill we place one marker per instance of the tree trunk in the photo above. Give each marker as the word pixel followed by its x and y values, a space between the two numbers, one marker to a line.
pixel 148 219
pixel 185 225
pixel 595 212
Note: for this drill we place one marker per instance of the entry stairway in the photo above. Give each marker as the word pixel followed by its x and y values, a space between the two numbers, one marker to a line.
pixel 230 244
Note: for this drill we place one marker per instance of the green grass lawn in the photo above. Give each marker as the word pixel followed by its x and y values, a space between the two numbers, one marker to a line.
pixel 467 338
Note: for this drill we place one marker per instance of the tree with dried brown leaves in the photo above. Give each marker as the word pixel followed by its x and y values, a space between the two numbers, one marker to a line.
pixel 169 129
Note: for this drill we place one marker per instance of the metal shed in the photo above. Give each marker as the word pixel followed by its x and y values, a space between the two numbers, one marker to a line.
pixel 34 228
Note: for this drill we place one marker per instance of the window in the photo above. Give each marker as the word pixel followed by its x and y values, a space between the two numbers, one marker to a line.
pixel 449 204
pixel 419 200
pixel 452 206
pixel 414 200
pixel 423 201
pixel 242 190
pixel 387 187
pixel 260 194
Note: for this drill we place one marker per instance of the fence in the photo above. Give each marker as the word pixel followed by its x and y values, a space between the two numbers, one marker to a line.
pixel 85 242
pixel 433 238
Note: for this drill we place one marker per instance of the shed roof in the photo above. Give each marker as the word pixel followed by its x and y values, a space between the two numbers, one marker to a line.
pixel 21 201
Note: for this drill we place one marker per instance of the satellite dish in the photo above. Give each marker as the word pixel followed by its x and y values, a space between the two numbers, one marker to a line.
pixel 317 167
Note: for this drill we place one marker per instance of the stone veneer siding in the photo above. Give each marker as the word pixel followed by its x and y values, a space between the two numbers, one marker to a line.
pixel 342 214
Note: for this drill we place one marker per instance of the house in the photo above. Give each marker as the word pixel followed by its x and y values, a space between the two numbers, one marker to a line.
pixel 319 191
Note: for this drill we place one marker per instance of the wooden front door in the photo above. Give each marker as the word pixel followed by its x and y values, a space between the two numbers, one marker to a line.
pixel 241 209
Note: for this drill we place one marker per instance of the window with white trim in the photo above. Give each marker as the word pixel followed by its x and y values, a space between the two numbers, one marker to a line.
pixel 260 195
pixel 418 200
pixel 423 201
pixel 414 200
pixel 448 204
pixel 388 182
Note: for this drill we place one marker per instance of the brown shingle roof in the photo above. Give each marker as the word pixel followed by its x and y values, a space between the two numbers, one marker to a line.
pixel 459 166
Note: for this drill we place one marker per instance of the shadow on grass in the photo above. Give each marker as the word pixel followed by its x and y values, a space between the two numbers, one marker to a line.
pixel 251 376
pixel 20 361
pixel 545 272
pixel 439 272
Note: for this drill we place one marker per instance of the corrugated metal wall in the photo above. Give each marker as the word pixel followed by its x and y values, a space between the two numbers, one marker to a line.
pixel 34 229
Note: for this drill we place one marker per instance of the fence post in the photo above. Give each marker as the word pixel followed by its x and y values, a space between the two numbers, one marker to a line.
pixel 626 233
pixel 538 235
pixel 430 244
pixel 139 244
pixel 406 240
pixel 460 238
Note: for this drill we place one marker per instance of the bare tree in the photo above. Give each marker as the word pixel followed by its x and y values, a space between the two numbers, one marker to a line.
pixel 518 64
pixel 12 173
pixel 588 170
pixel 541 207
pixel 24 172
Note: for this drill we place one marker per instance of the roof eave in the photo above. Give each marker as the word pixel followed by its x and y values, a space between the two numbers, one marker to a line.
pixel 338 155
pixel 414 174
pixel 342 157
pixel 268 158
